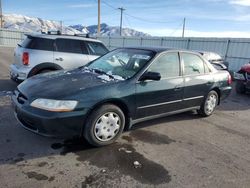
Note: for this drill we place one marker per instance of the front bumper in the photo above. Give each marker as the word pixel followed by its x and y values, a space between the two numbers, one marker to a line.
pixel 51 124
pixel 19 72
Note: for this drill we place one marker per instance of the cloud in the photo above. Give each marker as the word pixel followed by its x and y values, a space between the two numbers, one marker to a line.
pixel 240 2
pixel 82 5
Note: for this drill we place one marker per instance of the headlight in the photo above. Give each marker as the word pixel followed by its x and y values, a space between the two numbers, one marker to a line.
pixel 54 105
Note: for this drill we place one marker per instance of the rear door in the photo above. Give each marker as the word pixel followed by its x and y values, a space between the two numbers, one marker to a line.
pixel 70 53
pixel 159 97
pixel 197 79
pixel 95 49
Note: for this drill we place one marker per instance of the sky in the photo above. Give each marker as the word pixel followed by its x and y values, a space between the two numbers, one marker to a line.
pixel 204 18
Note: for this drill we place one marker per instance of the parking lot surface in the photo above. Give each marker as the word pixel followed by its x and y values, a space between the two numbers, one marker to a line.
pixel 183 150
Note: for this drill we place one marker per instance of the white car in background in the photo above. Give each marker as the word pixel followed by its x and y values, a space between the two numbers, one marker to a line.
pixel 41 53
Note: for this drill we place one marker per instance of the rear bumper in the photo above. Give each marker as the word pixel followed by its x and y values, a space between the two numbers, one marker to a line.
pixel 18 73
pixel 225 92
pixel 50 124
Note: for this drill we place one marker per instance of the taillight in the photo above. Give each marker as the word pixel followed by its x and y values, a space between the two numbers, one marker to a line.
pixel 229 79
pixel 25 58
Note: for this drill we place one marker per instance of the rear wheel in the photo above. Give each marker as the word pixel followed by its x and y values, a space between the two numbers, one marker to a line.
pixel 44 71
pixel 209 104
pixel 240 87
pixel 104 125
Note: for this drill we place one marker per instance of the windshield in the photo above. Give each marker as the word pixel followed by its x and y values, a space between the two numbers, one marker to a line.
pixel 123 63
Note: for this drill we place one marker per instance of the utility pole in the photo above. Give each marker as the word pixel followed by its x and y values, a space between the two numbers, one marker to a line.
pixel 1 15
pixel 61 26
pixel 183 28
pixel 121 9
pixel 99 18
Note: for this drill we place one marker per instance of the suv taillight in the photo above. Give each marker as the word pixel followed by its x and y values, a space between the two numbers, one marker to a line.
pixel 229 79
pixel 25 58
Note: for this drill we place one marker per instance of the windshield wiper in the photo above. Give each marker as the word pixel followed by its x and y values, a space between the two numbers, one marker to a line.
pixel 99 71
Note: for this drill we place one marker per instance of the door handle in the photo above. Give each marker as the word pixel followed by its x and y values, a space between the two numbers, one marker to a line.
pixel 177 88
pixel 59 59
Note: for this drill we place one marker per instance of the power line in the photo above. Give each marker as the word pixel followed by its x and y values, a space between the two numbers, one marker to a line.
pixel 135 17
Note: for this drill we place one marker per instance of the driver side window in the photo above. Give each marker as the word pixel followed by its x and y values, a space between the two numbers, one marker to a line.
pixel 167 65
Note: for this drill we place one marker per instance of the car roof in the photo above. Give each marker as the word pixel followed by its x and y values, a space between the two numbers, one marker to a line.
pixel 154 49
pixel 52 36
pixel 162 49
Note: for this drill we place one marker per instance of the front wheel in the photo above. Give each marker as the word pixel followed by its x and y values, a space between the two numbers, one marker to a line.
pixel 209 104
pixel 104 125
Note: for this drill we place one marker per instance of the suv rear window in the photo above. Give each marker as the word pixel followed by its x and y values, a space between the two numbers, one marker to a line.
pixel 70 46
pixel 40 44
pixel 96 48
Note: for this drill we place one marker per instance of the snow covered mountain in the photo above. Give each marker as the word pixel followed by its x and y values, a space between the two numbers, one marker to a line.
pixel 107 30
pixel 31 24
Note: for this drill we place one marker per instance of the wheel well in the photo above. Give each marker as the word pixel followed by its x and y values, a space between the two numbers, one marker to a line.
pixel 119 104
pixel 43 66
pixel 217 90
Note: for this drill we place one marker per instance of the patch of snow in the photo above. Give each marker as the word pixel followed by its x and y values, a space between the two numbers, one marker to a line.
pixel 104 77
pixel 125 150
pixel 137 164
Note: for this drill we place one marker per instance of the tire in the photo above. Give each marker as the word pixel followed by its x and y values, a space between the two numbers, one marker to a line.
pixel 104 125
pixel 44 71
pixel 209 104
pixel 240 87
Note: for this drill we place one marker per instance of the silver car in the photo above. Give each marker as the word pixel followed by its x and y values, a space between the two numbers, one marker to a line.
pixel 41 53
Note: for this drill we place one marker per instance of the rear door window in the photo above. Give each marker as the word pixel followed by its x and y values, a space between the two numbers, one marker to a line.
pixel 96 48
pixel 71 46
pixel 39 44
pixel 193 64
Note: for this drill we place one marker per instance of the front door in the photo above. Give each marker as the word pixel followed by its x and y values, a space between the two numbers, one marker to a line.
pixel 159 97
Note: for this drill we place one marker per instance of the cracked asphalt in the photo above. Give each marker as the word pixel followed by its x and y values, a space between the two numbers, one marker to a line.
pixel 183 150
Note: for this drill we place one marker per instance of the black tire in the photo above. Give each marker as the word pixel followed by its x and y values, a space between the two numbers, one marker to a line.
pixel 44 71
pixel 203 111
pixel 90 130
pixel 240 87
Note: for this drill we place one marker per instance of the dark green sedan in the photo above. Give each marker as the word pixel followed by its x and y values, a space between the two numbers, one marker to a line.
pixel 112 93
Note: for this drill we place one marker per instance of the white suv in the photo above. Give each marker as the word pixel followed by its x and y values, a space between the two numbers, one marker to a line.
pixel 43 53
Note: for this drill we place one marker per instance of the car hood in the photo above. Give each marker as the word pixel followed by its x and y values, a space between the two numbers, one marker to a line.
pixel 245 68
pixel 60 84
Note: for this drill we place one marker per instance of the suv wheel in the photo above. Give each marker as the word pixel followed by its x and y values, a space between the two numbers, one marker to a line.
pixel 44 71
pixel 209 104
pixel 104 125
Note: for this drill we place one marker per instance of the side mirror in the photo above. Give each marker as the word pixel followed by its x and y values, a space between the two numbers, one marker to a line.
pixel 150 76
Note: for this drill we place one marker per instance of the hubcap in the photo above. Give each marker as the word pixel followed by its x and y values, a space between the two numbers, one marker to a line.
pixel 107 126
pixel 211 103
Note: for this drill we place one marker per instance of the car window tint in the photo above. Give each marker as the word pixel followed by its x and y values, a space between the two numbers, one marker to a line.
pixel 69 45
pixel 167 65
pixel 193 64
pixel 41 44
pixel 96 48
